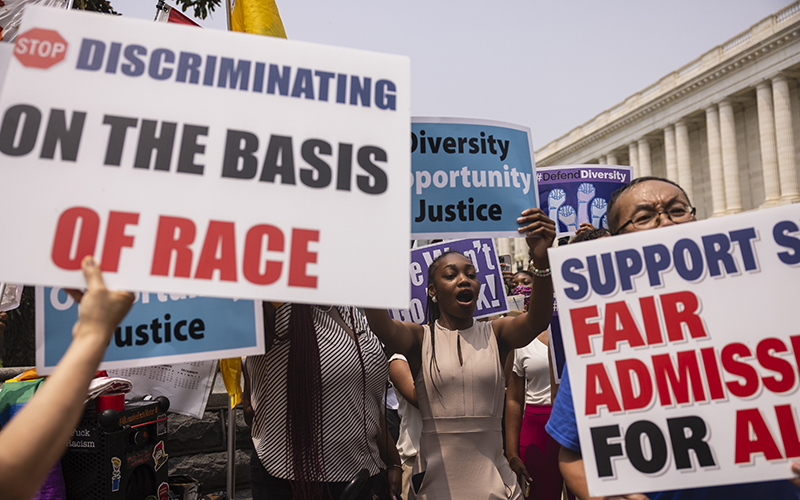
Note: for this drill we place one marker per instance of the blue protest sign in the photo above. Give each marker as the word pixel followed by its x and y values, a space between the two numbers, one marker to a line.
pixel 160 328
pixel 572 195
pixel 469 178
pixel 482 253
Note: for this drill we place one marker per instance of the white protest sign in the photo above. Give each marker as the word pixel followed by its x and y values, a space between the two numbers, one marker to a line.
pixel 204 162
pixel 683 349
pixel 186 385
pixel 5 58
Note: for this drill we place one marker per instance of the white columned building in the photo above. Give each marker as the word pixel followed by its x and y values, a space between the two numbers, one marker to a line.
pixel 724 126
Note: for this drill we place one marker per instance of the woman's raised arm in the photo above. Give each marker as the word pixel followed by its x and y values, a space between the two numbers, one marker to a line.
pixel 398 336
pixel 519 331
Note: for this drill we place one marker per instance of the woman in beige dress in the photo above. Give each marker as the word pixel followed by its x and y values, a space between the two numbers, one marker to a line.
pixel 457 365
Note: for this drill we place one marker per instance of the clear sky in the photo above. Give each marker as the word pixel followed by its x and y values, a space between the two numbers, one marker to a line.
pixel 549 65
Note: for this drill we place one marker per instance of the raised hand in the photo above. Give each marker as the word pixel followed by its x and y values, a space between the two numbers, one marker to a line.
pixel 100 309
pixel 539 231
pixel 585 227
pixel 523 476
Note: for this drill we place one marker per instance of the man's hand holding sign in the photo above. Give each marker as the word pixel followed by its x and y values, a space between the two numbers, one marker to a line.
pixel 681 372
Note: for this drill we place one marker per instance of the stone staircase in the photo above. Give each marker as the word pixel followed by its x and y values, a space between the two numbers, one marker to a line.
pixel 198 448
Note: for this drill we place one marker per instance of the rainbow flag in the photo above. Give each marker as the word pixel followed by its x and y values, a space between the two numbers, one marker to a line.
pixel 262 18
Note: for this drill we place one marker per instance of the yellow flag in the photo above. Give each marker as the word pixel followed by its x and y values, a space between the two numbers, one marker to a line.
pixel 262 18
pixel 257 16
pixel 231 370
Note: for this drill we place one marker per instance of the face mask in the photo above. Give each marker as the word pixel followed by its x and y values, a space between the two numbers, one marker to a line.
pixel 525 291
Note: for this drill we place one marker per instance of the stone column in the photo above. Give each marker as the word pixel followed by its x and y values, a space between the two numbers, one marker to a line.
pixel 503 246
pixel 669 153
pixel 602 160
pixel 766 135
pixel 730 157
pixel 645 162
pixel 611 159
pixel 633 159
pixel 784 138
pixel 683 157
pixel 519 251
pixel 715 162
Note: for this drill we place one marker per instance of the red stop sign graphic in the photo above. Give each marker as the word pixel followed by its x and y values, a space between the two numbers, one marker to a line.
pixel 40 48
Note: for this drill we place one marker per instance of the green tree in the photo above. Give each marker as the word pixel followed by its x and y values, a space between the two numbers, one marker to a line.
pixel 201 7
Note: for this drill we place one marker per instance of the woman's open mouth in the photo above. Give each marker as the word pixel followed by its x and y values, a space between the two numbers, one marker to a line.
pixel 465 297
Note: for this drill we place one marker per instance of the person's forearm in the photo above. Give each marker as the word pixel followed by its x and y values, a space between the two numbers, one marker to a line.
pixel 37 436
pixel 391 458
pixel 381 323
pixel 392 333
pixel 513 427
pixel 571 465
pixel 403 381
pixel 540 308
pixel 387 447
pixel 515 401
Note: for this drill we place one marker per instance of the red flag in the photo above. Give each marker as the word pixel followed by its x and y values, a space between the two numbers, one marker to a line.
pixel 169 14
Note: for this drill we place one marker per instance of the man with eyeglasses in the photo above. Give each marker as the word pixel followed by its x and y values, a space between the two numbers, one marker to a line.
pixel 642 203
pixel 647 203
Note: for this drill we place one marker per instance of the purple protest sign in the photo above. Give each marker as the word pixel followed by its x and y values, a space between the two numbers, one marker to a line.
pixel 571 195
pixel 482 253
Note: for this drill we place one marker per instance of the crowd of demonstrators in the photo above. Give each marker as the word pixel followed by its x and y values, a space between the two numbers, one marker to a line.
pixel 532 453
pixel 33 441
pixel 643 204
pixel 316 399
pixel 315 403
pixel 457 364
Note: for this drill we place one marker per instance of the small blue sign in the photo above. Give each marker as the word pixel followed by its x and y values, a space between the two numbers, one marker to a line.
pixel 469 178
pixel 160 328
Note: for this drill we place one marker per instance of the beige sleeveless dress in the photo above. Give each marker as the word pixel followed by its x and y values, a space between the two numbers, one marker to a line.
pixel 461 449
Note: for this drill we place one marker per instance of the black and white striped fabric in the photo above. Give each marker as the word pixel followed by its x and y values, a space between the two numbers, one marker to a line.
pixel 348 443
